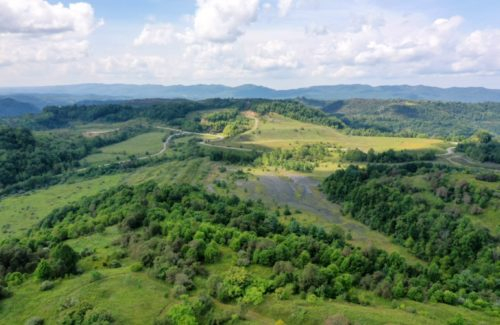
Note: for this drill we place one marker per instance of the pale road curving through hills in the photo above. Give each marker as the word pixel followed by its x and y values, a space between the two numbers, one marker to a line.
pixel 460 160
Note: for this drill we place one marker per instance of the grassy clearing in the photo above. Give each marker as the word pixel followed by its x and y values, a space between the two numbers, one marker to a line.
pixel 193 171
pixel 18 213
pixel 275 131
pixel 133 298
pixel 298 311
pixel 141 145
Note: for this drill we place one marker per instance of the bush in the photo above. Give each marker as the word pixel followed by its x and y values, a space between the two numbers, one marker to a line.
pixel 35 321
pixel 114 264
pixel 136 267
pixel 43 270
pixel 284 293
pixel 4 292
pixel 64 260
pixel 99 317
pixel 87 252
pixel 337 320
pixel 253 296
pixel 96 276
pixel 14 278
pixel 182 314
pixel 46 285
pixel 488 177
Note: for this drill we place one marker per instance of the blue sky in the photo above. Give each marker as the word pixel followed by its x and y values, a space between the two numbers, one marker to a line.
pixel 277 43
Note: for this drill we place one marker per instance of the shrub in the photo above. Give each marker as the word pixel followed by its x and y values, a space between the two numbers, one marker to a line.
pixel 337 320
pixel 35 321
pixel 64 260
pixel 46 285
pixel 14 278
pixel 114 264
pixel 96 276
pixel 284 293
pixel 4 292
pixel 87 252
pixel 253 296
pixel 43 270
pixel 182 314
pixel 99 317
pixel 136 267
pixel 449 297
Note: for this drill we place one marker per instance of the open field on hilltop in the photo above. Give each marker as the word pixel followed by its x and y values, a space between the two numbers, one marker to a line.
pixel 275 131
pixel 19 212
pixel 141 145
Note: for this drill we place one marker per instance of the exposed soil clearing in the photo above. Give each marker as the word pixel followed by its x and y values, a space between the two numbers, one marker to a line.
pixel 302 193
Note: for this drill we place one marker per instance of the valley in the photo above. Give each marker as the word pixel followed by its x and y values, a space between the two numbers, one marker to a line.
pixel 162 210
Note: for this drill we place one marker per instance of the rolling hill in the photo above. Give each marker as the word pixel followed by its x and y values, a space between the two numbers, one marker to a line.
pixel 73 93
pixel 10 107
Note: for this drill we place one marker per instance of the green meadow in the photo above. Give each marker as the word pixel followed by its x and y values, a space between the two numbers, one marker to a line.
pixel 276 131
pixel 139 146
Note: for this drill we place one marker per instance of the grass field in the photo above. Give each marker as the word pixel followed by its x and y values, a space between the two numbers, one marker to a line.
pixel 20 212
pixel 139 146
pixel 275 131
pixel 133 298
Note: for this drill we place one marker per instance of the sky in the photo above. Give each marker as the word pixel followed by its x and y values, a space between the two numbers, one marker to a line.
pixel 276 43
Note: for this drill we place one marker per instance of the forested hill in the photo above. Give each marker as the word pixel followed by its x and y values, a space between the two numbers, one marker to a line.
pixel 327 92
pixel 171 111
pixel 413 118
pixel 11 107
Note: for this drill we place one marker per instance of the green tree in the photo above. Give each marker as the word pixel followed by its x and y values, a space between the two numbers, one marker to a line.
pixel 64 260
pixel 43 270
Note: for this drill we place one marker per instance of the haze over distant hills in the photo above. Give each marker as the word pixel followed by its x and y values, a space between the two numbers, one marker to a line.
pixel 70 94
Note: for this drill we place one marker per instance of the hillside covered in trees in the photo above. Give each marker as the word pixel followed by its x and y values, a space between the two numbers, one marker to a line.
pixel 454 120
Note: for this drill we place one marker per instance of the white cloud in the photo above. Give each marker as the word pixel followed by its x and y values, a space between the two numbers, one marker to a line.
pixel 240 41
pixel 222 20
pixel 155 34
pixel 273 55
pixel 37 31
pixel 131 64
pixel 394 42
pixel 41 17
pixel 479 52
pixel 284 7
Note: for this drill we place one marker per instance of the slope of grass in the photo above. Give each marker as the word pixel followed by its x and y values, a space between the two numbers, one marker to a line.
pixel 138 298
pixel 141 145
pixel 19 212
pixel 275 131
pixel 132 298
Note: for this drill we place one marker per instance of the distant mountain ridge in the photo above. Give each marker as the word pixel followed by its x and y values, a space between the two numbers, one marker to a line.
pixel 10 107
pixel 69 94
